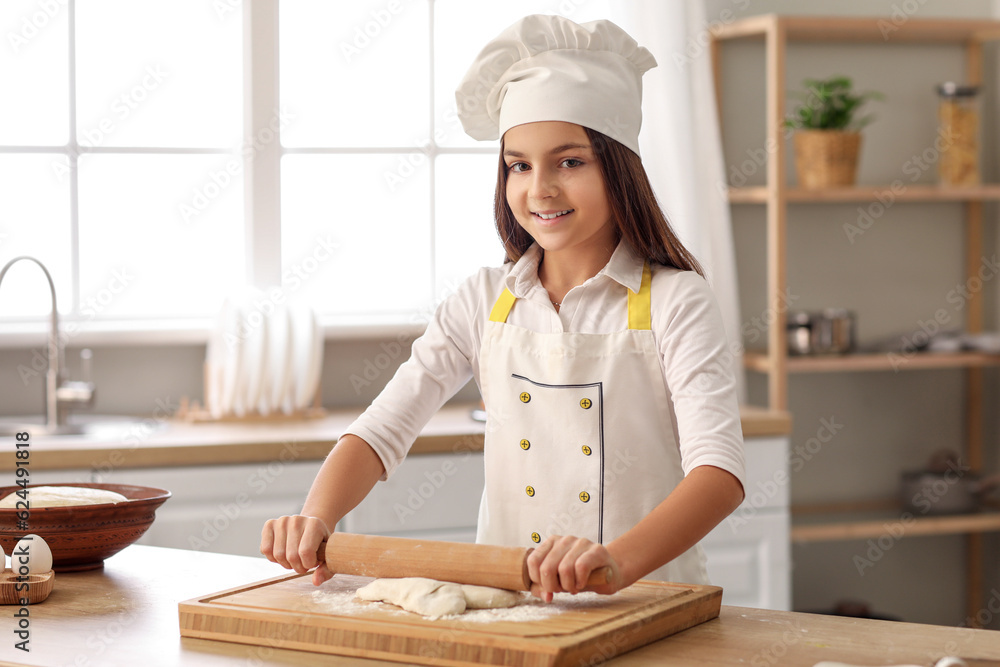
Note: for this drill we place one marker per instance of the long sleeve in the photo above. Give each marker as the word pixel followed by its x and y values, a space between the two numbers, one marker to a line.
pixel 697 367
pixel 440 364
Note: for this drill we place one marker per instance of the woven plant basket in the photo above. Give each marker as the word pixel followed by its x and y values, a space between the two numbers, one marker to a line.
pixel 826 158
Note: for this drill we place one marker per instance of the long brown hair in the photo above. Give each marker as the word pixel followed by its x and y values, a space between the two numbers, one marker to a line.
pixel 636 215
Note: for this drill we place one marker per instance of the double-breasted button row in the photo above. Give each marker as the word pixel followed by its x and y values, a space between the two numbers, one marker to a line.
pixel 530 492
pixel 585 403
pixel 526 445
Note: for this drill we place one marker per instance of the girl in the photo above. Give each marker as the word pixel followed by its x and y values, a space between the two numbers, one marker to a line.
pixel 613 435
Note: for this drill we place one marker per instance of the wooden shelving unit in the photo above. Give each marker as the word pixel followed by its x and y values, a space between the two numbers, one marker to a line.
pixel 863 519
pixel 777 196
pixel 860 529
pixel 761 362
pixel 908 193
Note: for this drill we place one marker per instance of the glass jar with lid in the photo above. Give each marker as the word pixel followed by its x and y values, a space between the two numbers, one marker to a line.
pixel 958 134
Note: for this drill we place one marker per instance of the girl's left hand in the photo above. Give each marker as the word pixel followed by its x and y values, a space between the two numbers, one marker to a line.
pixel 561 564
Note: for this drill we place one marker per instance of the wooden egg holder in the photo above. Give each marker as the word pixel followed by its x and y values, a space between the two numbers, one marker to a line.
pixel 193 412
pixel 39 587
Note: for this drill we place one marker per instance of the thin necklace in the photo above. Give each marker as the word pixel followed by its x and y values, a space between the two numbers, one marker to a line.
pixel 556 304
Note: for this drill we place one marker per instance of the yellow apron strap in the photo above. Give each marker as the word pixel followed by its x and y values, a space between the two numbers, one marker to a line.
pixel 501 309
pixel 639 304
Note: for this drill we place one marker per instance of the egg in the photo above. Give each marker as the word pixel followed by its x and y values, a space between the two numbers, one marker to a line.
pixel 3 561
pixel 39 555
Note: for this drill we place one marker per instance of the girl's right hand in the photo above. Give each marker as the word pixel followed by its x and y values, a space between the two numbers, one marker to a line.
pixel 293 542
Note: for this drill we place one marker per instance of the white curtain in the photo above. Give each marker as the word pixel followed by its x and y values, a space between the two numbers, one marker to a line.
pixel 681 144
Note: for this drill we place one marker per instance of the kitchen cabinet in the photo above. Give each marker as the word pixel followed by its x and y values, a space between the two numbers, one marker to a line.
pixel 220 508
pixel 434 497
pixel 779 198
pixel 748 553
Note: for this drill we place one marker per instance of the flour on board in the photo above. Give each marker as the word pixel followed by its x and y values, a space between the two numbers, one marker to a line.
pixel 343 603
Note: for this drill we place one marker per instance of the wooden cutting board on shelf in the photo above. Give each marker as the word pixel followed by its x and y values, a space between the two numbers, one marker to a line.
pixel 288 612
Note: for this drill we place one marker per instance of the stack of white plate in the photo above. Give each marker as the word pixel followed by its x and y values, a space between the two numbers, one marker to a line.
pixel 263 357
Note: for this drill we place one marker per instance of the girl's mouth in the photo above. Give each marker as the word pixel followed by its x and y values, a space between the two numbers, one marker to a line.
pixel 549 216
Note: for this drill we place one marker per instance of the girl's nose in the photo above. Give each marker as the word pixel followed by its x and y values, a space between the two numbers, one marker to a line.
pixel 543 184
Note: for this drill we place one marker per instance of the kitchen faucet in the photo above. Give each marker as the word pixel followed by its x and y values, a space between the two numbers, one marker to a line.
pixel 60 394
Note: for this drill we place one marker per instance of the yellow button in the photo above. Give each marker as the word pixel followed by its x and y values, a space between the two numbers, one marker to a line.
pixel 525 397
pixel 584 496
pixel 585 403
pixel 586 450
pixel 536 538
pixel 530 490
pixel 525 444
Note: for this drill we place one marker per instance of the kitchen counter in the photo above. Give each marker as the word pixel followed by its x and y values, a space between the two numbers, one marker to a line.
pixel 177 443
pixel 126 614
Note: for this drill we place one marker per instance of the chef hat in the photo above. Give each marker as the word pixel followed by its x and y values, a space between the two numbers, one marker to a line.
pixel 549 68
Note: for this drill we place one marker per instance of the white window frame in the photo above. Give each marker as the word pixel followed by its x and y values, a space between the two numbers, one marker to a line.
pixel 262 166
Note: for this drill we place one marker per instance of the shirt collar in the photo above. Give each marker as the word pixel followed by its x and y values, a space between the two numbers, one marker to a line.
pixel 624 267
pixel 524 276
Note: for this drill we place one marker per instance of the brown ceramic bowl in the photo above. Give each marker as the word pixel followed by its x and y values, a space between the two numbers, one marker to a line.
pixel 82 536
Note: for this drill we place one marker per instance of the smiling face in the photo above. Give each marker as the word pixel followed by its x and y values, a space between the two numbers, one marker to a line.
pixel 555 188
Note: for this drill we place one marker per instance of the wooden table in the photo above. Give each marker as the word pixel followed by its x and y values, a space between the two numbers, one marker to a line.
pixel 126 614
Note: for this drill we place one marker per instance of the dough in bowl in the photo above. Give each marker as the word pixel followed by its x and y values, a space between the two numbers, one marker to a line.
pixel 432 598
pixel 63 496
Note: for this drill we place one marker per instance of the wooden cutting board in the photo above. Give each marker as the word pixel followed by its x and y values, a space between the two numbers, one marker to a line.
pixel 284 612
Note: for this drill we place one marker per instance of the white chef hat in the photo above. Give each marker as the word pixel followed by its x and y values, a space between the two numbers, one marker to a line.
pixel 549 68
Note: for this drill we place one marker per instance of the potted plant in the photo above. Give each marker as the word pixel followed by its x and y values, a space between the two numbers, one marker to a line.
pixel 828 137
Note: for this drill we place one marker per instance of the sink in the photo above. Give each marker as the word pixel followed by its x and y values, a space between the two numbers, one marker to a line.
pixel 105 427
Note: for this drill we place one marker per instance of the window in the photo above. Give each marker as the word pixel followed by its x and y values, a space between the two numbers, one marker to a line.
pixel 376 156
pixel 117 125
pixel 121 164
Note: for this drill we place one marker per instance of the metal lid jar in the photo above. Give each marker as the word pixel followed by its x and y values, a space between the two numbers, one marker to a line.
pixel 958 134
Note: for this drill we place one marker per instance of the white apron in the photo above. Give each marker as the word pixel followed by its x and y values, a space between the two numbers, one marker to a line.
pixel 579 435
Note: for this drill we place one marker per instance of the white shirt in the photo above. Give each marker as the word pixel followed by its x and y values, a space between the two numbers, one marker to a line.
pixel 686 323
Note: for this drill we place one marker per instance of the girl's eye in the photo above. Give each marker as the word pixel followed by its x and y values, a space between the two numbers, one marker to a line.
pixel 517 167
pixel 572 162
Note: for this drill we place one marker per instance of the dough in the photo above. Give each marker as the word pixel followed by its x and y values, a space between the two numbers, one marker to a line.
pixel 63 496
pixel 426 597
pixel 485 597
pixel 434 599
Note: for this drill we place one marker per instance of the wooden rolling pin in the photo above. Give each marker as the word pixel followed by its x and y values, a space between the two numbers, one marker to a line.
pixel 478 564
